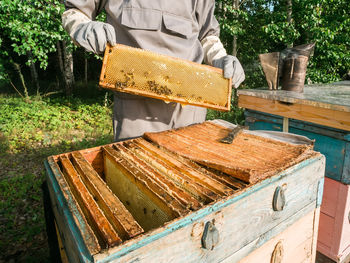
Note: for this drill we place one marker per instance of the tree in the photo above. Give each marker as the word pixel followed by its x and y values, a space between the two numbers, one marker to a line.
pixel 272 25
pixel 30 28
pixel 327 23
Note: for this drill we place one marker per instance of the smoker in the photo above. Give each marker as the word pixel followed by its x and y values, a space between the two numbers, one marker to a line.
pixel 289 66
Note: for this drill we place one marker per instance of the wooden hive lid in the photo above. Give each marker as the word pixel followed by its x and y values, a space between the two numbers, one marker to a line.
pixel 249 158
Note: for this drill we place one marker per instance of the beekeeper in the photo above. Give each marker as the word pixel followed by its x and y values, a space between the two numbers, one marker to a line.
pixel 182 28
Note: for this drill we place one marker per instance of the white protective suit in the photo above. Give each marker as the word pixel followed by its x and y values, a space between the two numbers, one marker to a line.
pixel 183 28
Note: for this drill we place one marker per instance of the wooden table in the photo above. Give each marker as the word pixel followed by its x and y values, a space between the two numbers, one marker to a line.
pixel 327 105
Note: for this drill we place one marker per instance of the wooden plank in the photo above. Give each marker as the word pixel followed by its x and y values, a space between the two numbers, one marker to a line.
pixel 234 218
pixel 186 199
pixel 97 220
pixel 198 191
pixel 150 205
pixel 325 234
pixel 69 217
pixel 316 225
pixel 324 116
pixel 228 180
pixel 330 197
pixel 61 247
pixel 113 209
pixel 296 242
pixel 345 178
pixel 341 239
pixel 329 96
pixel 95 159
pixel 185 168
pixel 334 232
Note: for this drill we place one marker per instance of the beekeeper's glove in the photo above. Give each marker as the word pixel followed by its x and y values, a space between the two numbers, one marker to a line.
pixel 232 69
pixel 91 35
pixel 215 55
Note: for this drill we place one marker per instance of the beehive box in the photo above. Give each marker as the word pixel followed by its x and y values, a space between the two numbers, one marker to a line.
pixel 138 201
pixel 334 233
pixel 144 73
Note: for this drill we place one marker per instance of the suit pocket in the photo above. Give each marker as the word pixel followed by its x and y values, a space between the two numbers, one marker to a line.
pixel 139 18
pixel 177 24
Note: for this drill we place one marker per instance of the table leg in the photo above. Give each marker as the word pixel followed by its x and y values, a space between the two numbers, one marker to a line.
pixel 285 124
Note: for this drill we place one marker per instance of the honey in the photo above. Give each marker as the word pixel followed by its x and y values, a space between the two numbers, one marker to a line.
pixel 144 73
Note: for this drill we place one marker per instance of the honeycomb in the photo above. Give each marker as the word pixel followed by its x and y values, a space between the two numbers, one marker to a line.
pixel 144 73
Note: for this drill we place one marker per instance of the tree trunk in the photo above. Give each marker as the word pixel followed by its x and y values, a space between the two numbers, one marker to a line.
pixel 289 6
pixel 234 42
pixel 33 73
pixel 85 69
pixel 17 68
pixel 68 69
pixel 60 62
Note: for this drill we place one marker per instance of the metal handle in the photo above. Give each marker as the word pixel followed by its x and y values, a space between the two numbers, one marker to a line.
pixel 279 200
pixel 210 236
pixel 277 254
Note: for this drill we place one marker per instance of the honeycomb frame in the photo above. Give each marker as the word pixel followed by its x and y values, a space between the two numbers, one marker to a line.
pixel 164 77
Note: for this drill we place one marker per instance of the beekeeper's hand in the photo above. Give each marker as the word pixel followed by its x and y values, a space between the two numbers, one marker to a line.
pixel 215 55
pixel 91 35
pixel 232 69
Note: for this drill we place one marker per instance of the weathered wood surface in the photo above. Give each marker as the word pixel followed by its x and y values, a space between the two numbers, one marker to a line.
pixel 162 179
pixel 255 158
pixel 296 242
pixel 195 183
pixel 150 205
pixel 333 143
pixel 75 232
pixel 103 229
pixel 233 217
pixel 184 166
pixel 330 96
pixel 334 232
pixel 324 116
pixel 316 229
pixel 62 249
pixel 112 207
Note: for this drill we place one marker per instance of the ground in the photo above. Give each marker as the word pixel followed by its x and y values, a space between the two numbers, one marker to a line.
pixel 29 132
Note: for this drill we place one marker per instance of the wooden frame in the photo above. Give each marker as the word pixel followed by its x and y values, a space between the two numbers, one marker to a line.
pixel 174 97
pixel 184 233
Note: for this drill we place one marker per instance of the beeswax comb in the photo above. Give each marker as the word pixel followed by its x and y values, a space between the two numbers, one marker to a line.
pixel 145 73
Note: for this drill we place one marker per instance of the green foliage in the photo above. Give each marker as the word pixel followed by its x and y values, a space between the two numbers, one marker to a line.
pixel 47 122
pixel 30 26
pixel 261 26
pixel 3 74
pixel 327 23
pixel 22 221
pixel 29 133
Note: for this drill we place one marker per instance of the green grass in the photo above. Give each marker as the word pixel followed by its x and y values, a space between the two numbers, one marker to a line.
pixel 41 123
pixel 29 132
